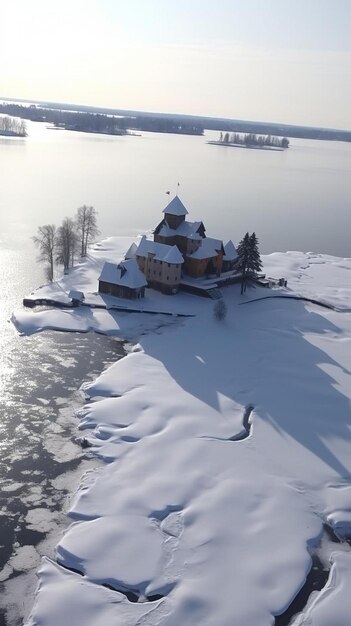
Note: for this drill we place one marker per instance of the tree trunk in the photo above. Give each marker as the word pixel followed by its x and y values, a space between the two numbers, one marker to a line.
pixel 51 268
pixel 243 283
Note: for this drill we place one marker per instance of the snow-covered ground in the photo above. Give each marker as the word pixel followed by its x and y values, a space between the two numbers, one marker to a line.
pixel 191 521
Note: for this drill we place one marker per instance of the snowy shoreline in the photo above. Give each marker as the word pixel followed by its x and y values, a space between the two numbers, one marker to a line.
pixel 189 517
pixel 247 147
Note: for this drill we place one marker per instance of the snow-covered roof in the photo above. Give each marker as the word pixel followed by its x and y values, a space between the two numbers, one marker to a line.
pixel 185 229
pixel 130 254
pixel 173 256
pixel 126 273
pixel 175 207
pixel 230 251
pixel 209 248
pixel 162 252
pixel 76 295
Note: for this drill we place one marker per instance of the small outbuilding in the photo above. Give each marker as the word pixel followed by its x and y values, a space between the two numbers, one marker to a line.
pixel 77 297
pixel 124 280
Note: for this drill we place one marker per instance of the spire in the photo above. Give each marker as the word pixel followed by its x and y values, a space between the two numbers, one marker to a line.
pixel 175 207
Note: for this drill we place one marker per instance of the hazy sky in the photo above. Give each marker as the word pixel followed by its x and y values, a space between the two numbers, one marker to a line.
pixel 274 60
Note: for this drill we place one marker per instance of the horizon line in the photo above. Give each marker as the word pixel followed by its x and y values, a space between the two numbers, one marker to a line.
pixel 130 112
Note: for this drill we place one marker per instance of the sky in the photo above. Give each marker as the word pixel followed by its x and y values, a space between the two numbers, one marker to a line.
pixel 267 60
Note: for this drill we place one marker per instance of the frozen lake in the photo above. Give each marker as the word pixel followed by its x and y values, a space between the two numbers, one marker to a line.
pixel 294 200
pixel 297 199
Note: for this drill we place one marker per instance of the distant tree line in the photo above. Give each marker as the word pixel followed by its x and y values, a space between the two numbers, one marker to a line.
pixel 12 127
pixel 61 245
pixel 70 120
pixel 251 139
pixel 90 123
pixel 164 125
pixel 101 122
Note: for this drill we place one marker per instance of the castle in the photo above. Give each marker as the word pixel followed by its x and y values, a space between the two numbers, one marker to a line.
pixel 179 249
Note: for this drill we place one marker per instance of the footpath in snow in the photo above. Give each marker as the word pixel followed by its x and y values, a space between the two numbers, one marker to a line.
pixel 201 516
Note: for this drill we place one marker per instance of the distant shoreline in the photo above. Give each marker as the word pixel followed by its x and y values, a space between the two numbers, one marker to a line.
pixel 208 123
pixel 90 131
pixel 10 133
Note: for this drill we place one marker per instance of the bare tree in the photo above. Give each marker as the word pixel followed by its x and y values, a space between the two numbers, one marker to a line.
pixel 87 228
pixel 13 126
pixel 67 241
pixel 46 241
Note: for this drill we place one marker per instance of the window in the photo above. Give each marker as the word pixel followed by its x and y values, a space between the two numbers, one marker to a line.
pixel 169 265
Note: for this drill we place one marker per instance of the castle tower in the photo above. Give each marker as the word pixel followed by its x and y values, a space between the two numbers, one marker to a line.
pixel 175 212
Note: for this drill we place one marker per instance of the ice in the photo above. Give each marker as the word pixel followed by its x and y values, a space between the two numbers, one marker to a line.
pixel 125 538
pixel 332 605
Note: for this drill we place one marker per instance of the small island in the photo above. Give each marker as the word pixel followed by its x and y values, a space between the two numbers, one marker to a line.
pixel 11 127
pixel 251 140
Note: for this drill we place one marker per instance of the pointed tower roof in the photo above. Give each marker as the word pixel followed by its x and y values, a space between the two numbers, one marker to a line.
pixel 173 256
pixel 130 254
pixel 175 207
pixel 230 251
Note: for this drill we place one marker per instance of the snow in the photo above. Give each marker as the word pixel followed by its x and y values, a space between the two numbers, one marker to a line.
pixel 210 529
pixel 162 251
pixel 209 248
pixel 76 295
pixel 123 324
pixel 175 207
pixel 30 322
pixel 320 276
pixel 230 251
pixel 173 256
pixel 130 254
pixel 332 605
pixel 185 229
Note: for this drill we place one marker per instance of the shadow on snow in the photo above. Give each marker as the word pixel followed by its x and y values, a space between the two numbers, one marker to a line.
pixel 263 358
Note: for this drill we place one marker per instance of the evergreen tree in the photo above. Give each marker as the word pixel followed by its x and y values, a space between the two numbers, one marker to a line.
pixel 249 261
pixel 242 263
pixel 255 264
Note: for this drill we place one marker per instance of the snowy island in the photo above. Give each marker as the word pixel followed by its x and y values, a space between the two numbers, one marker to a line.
pixel 251 140
pixel 227 453
pixel 12 127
